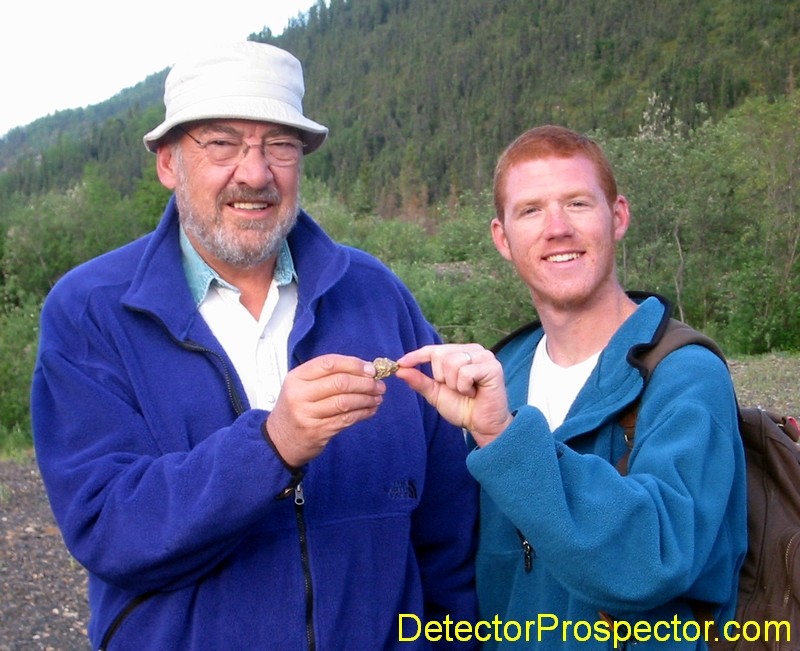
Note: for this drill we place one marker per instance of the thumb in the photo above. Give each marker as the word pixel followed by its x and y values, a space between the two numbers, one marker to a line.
pixel 419 382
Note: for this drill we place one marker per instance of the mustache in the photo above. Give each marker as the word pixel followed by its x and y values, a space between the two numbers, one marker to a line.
pixel 249 195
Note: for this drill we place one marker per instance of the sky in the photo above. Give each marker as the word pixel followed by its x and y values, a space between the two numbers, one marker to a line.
pixel 62 54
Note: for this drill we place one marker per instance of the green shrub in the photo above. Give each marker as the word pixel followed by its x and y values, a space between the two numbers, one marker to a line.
pixel 19 332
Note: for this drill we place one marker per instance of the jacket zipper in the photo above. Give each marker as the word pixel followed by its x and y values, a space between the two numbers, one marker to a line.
pixel 133 604
pixel 528 553
pixel 193 346
pixel 299 501
pixel 233 396
pixel 788 556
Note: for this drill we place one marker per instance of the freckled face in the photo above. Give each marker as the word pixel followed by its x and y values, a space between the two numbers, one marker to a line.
pixel 235 215
pixel 559 231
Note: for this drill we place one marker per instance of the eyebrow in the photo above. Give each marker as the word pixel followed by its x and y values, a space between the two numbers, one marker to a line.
pixel 219 128
pixel 529 200
pixel 276 131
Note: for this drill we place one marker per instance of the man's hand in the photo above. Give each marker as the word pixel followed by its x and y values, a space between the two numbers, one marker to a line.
pixel 467 387
pixel 318 400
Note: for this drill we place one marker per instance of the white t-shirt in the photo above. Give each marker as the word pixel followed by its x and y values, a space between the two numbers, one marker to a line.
pixel 552 388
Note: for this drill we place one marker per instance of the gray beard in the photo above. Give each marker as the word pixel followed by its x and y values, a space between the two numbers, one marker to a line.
pixel 225 246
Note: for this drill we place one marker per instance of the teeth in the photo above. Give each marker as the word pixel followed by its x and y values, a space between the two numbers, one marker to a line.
pixel 563 257
pixel 250 206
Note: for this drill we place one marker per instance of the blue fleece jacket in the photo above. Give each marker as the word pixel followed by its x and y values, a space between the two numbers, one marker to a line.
pixel 166 490
pixel 639 547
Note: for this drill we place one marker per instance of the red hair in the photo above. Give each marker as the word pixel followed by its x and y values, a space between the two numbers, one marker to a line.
pixel 547 141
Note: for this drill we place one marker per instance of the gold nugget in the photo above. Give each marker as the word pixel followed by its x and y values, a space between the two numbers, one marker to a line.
pixel 384 367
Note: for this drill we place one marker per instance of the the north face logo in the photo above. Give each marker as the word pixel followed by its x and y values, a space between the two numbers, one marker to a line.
pixel 402 489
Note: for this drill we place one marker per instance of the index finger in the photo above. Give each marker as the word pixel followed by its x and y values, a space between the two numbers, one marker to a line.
pixel 416 357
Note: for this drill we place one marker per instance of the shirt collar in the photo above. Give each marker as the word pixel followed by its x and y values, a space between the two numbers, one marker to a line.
pixel 201 276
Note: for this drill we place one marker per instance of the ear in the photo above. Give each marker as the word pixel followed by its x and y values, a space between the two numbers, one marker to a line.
pixel 499 238
pixel 165 166
pixel 622 217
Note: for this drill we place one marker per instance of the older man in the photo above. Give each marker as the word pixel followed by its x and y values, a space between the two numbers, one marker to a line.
pixel 573 554
pixel 217 449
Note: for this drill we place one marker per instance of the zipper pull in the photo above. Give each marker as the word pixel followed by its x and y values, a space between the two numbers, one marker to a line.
pixel 527 551
pixel 527 555
pixel 299 498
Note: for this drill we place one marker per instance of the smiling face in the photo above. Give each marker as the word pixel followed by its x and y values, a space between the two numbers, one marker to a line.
pixel 560 232
pixel 236 216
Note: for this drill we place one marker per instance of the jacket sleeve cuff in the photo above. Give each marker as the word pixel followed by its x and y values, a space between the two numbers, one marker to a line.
pixel 519 450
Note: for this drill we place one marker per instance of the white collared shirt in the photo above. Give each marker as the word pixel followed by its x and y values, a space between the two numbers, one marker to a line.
pixel 258 349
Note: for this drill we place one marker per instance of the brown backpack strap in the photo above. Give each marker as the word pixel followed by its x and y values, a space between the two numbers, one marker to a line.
pixel 672 335
pixel 628 422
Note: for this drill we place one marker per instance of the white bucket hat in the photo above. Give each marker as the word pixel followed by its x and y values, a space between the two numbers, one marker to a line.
pixel 243 81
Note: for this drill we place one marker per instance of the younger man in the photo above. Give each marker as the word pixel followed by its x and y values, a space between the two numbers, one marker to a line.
pixel 566 541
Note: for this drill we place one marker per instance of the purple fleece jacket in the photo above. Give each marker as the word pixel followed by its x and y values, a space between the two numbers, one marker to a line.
pixel 167 493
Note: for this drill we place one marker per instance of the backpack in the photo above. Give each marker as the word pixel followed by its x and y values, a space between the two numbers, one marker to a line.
pixel 769 581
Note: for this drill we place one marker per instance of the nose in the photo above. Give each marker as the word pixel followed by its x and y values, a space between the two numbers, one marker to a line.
pixel 254 169
pixel 557 223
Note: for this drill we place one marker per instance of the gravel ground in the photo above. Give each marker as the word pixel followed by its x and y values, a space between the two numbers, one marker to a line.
pixel 43 588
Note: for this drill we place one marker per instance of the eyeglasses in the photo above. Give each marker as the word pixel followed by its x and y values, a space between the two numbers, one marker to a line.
pixel 281 151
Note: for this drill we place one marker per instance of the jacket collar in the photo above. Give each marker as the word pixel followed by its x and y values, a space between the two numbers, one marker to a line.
pixel 616 380
pixel 201 276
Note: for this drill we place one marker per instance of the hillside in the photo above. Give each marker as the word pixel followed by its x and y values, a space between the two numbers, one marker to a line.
pixel 421 96
pixel 79 124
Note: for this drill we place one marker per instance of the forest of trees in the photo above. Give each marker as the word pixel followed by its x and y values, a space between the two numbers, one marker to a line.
pixel 695 103
pixel 421 96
